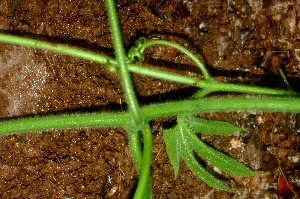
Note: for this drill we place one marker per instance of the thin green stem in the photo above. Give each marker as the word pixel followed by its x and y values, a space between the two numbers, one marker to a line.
pixel 136 151
pixel 204 84
pixel 285 80
pixel 149 112
pixel 121 58
pixel 144 184
pixel 182 49
pixel 53 47
pixel 219 86
pixel 135 147
pixel 138 122
pixel 201 94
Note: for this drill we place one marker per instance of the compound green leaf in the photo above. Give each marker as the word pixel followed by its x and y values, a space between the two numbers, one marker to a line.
pixel 181 141
pixel 177 146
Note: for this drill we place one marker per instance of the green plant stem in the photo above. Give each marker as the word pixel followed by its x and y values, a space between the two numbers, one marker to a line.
pixel 37 123
pixel 200 94
pixel 182 49
pixel 53 47
pixel 153 111
pixel 285 80
pixel 225 104
pixel 121 58
pixel 135 147
pixel 136 151
pixel 204 84
pixel 144 184
pixel 133 105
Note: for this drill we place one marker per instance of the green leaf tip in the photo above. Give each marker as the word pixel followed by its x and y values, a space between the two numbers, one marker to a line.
pixel 181 141
pixel 197 124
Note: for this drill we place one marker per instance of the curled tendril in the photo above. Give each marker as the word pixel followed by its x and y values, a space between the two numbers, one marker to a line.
pixel 111 67
pixel 136 51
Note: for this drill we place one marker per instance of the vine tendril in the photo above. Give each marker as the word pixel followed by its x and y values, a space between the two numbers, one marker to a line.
pixel 135 51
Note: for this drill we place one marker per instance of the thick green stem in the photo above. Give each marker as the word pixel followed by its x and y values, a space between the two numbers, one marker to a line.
pixel 225 104
pixel 153 111
pixel 39 123
pixel 121 58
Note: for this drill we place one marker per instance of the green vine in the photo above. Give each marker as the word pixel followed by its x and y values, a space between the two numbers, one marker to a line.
pixel 180 141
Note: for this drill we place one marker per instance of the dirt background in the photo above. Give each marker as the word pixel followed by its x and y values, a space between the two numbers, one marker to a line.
pixel 240 41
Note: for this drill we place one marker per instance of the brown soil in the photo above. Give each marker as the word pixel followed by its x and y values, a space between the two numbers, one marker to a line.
pixel 243 42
